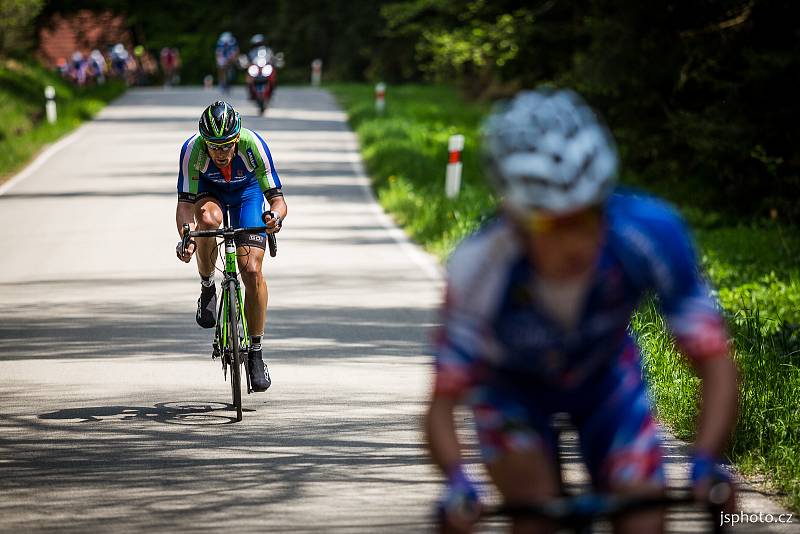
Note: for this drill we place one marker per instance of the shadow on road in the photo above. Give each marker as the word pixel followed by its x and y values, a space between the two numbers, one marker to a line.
pixel 164 328
pixel 178 412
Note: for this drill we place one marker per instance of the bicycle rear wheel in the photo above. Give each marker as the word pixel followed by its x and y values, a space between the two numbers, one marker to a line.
pixel 233 337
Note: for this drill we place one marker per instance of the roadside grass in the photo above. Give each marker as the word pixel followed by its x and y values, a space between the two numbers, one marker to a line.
pixel 405 151
pixel 24 129
pixel 753 264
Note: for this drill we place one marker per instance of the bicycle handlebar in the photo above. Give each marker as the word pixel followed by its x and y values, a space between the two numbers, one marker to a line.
pixel 229 232
pixel 221 232
pixel 582 509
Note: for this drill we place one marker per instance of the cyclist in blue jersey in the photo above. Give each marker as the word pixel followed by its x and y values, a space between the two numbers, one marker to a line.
pixel 536 314
pixel 225 165
pixel 226 53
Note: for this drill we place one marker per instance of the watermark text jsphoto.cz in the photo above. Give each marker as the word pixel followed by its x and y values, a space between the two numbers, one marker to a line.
pixel 744 518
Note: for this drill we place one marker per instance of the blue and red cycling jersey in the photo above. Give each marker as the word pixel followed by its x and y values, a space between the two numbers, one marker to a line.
pixel 514 364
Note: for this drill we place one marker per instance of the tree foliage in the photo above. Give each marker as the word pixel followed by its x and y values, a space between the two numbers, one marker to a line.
pixel 700 93
pixel 16 31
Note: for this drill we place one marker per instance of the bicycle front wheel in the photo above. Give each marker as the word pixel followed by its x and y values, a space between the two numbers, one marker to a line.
pixel 233 337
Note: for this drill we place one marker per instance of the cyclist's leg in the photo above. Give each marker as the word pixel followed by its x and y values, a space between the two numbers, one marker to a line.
pixel 208 214
pixel 518 448
pixel 620 441
pixel 250 251
pixel 256 297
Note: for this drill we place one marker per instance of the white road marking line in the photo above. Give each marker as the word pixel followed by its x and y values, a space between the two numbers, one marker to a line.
pixel 425 262
pixel 40 160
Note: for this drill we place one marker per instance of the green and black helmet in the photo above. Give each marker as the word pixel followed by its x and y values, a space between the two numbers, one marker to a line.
pixel 220 124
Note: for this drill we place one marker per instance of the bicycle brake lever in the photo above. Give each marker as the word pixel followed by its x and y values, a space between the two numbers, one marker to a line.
pixel 184 238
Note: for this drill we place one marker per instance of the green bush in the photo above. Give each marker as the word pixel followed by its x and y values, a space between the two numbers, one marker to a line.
pixel 24 129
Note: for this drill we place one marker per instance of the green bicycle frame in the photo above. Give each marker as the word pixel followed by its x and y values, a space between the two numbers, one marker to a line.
pixel 221 339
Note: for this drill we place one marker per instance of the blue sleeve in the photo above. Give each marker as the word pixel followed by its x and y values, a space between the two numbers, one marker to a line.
pixel 674 273
pixel 274 180
pixel 181 178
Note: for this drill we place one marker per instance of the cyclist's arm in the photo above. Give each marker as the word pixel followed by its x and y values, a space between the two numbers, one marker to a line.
pixel 188 182
pixel 184 214
pixel 719 403
pixel 452 378
pixel 277 205
pixel 440 432
pixel 700 332
pixel 259 161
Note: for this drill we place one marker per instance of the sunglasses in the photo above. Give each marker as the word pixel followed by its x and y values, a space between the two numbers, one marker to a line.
pixel 224 147
pixel 541 223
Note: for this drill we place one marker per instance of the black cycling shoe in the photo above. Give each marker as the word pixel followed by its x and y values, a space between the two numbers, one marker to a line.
pixel 259 374
pixel 207 307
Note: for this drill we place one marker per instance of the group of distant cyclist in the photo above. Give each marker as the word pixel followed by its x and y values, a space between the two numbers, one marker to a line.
pixel 132 67
pixel 535 318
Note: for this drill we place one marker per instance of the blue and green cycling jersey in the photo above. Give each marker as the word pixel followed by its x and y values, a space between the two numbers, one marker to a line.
pixel 251 164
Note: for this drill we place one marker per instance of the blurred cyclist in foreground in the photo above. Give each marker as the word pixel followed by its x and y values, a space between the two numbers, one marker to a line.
pixel 536 316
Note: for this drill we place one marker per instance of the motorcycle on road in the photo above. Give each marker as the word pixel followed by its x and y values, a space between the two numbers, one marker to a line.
pixel 261 79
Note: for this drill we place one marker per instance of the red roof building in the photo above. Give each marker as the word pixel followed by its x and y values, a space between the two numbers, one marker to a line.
pixel 82 31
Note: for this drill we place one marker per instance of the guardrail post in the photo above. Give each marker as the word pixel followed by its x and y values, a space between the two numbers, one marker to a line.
pixel 316 72
pixel 50 105
pixel 380 97
pixel 452 184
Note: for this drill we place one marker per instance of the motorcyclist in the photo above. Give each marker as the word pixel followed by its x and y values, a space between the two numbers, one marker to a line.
pixel 258 43
pixel 261 65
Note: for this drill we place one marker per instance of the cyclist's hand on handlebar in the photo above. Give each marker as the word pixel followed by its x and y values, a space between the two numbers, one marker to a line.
pixel 712 482
pixel 185 247
pixel 460 507
pixel 272 221
pixel 185 251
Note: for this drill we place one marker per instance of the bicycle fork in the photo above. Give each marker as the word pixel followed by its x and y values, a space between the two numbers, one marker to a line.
pixel 220 346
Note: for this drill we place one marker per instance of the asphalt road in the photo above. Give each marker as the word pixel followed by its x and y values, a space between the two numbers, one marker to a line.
pixel 113 418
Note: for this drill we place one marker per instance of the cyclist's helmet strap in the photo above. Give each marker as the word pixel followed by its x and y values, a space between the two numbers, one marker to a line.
pixel 220 123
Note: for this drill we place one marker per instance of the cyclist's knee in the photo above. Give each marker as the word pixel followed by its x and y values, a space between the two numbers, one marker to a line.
pixel 208 215
pixel 251 275
pixel 512 473
pixel 209 220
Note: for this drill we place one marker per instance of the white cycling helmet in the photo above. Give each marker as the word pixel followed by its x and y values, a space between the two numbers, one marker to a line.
pixel 547 151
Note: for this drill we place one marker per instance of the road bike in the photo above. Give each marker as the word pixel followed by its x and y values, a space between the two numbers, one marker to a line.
pixel 231 336
pixel 578 513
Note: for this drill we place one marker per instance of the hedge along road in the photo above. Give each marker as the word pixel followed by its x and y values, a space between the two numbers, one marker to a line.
pixel 114 417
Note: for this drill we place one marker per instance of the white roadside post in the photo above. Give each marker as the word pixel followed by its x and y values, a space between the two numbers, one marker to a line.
pixel 316 72
pixel 380 97
pixel 50 105
pixel 453 179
